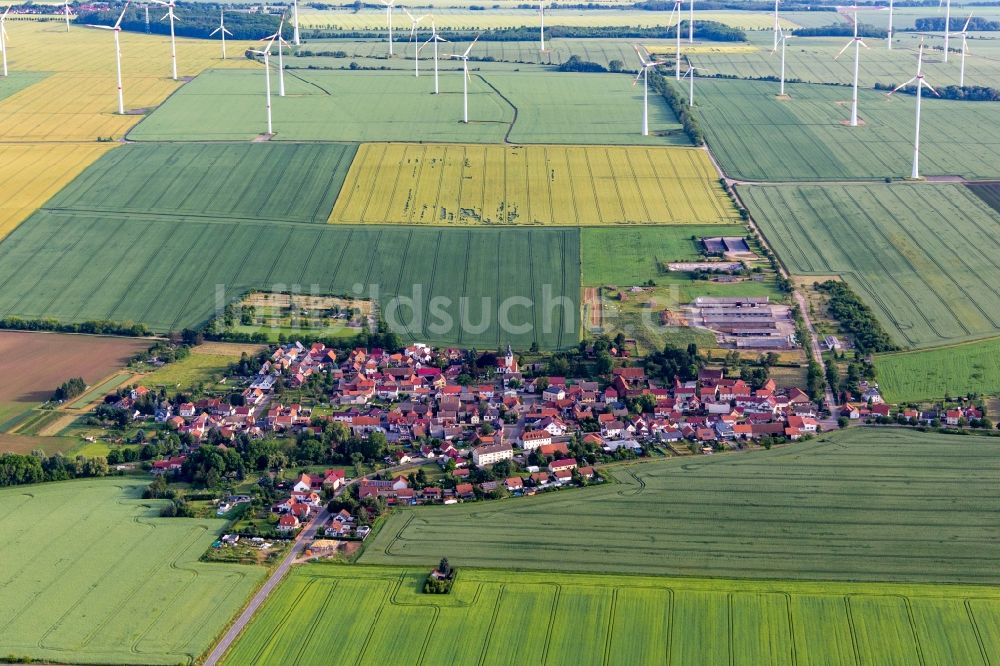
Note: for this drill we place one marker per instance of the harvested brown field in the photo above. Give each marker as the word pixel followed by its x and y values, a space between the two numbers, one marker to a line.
pixel 24 445
pixel 592 307
pixel 34 364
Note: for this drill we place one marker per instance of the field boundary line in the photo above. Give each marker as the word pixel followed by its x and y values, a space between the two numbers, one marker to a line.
pixel 611 626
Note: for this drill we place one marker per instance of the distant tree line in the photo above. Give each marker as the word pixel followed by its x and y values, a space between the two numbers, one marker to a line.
pixel 856 318
pixel 748 6
pixel 936 24
pixel 678 103
pixel 16 469
pixel 194 20
pixel 845 29
pixel 129 328
pixel 961 93
pixel 705 30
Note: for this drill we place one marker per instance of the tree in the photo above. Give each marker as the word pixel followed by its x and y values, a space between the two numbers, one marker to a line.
pixel 616 66
pixel 604 363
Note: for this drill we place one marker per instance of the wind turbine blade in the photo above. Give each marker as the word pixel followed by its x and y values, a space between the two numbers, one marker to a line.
pixel 966 26
pixel 841 52
pixel 639 53
pixel 901 86
pixel 929 87
pixel 466 54
pixel 408 13
pixel 119 21
pixel 862 42
pixel 214 31
pixel 102 27
pixel 227 32
pixel 638 76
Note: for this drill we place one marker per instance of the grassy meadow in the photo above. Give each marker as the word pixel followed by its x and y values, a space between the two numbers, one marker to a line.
pixel 510 616
pixel 206 364
pixel 534 185
pixel 865 505
pixel 923 256
pixel 932 374
pixel 164 272
pixel 93 575
pixel 633 256
pixel 756 136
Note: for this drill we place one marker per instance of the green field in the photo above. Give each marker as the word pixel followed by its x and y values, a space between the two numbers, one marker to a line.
pixel 329 106
pixel 99 391
pixel 166 272
pixel 935 373
pixel 756 136
pixel 16 81
pixel 871 505
pixel 924 257
pixel 396 106
pixel 508 617
pixel 286 182
pixel 633 256
pixel 92 575
pixel 200 367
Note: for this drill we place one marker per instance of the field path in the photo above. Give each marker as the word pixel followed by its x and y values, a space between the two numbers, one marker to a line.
pixel 304 537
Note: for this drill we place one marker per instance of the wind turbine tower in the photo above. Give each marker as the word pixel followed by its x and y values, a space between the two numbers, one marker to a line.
pixel 117 28
pixel 465 78
pixel 858 43
pixel 921 83
pixel 222 31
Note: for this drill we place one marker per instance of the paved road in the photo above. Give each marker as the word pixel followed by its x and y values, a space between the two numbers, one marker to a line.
pixel 305 536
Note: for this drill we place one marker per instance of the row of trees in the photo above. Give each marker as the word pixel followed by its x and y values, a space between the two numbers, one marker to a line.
pixel 856 318
pixel 679 105
pixel 193 20
pixel 96 327
pixel 16 469
pixel 960 93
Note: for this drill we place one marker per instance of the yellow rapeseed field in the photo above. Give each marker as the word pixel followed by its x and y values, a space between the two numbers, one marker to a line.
pixel 49 130
pixel 397 183
pixel 77 102
pixel 31 173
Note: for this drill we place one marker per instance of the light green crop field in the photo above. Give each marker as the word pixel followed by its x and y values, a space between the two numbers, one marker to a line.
pixel 92 575
pixel 756 136
pixel 812 59
pixel 924 256
pixel 585 108
pixel 932 374
pixel 377 615
pixel 341 105
pixel 16 81
pixel 288 182
pixel 329 106
pixel 557 51
pixel 171 273
pixel 633 256
pixel 202 366
pixel 864 504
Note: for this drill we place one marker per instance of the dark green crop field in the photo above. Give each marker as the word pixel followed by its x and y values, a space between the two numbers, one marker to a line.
pixel 871 505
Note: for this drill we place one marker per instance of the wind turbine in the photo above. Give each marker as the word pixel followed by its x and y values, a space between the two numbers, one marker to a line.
pixel 389 4
pixel 645 66
pixel 267 79
pixel 947 24
pixel 66 14
pixel 3 39
pixel 689 74
pixel 435 37
pixel 777 25
pixel 858 43
pixel 413 38
pixel 784 40
pixel 295 23
pixel 118 55
pixel 690 21
pixel 169 4
pixel 465 78
pixel 965 51
pixel 541 23
pixel 919 78
pixel 888 34
pixel 222 31
pixel 677 60
pixel 281 62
